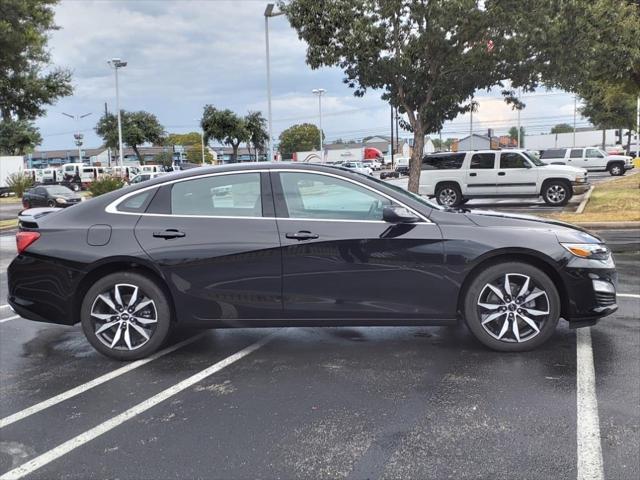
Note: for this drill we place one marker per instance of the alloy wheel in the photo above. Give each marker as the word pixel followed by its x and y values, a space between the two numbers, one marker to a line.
pixel 448 196
pixel 616 170
pixel 513 308
pixel 124 318
pixel 556 193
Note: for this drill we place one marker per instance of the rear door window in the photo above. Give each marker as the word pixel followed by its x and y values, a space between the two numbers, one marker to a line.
pixel 576 153
pixel 235 195
pixel 553 153
pixel 483 161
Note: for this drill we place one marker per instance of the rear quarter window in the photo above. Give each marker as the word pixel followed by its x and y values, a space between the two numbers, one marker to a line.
pixel 553 153
pixel 452 161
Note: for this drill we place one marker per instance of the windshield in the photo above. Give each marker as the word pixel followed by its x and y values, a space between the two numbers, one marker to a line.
pixel 535 160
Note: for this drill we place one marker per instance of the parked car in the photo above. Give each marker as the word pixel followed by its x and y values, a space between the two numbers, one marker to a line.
pixel 591 159
pixel 358 167
pixel 296 244
pixel 50 196
pixel 455 177
pixel 374 165
pixel 143 177
pixel 402 165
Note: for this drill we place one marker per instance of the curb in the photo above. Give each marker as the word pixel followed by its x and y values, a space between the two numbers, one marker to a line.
pixel 609 225
pixel 585 200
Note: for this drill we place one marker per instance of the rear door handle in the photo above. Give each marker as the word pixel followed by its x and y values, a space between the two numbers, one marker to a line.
pixel 169 233
pixel 502 174
pixel 302 235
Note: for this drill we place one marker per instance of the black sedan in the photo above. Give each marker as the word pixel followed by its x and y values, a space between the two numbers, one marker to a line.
pixel 287 244
pixel 50 196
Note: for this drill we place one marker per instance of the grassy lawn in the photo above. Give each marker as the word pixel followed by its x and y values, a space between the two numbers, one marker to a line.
pixel 12 199
pixel 613 201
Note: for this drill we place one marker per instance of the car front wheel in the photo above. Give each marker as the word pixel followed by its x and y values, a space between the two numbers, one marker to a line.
pixel 556 193
pixel 616 169
pixel 512 307
pixel 126 316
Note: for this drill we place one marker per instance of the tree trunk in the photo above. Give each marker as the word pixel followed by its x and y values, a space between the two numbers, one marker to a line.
pixel 135 149
pixel 235 146
pixel 415 163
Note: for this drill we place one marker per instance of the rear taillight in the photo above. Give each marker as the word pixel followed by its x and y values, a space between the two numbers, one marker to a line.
pixel 24 239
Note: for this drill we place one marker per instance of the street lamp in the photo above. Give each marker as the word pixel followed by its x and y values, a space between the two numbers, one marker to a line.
pixel 78 136
pixel 319 92
pixel 117 63
pixel 268 13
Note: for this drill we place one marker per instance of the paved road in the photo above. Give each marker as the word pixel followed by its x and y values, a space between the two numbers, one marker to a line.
pixel 349 403
pixel 9 210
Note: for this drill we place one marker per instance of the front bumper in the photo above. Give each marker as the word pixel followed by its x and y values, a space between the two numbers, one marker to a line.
pixel 591 293
pixel 629 166
pixel 580 188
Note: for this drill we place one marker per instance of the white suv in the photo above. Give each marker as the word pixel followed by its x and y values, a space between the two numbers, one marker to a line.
pixel 593 159
pixel 358 167
pixel 455 177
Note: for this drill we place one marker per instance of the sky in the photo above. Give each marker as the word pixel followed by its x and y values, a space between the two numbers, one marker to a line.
pixel 184 54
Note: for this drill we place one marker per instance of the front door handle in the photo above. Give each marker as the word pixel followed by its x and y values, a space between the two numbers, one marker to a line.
pixel 502 174
pixel 169 233
pixel 473 174
pixel 302 235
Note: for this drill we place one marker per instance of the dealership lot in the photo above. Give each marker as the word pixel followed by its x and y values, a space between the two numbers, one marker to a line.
pixel 421 402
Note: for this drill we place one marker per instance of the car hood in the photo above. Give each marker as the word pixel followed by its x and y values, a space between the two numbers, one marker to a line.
pixel 566 232
pixel 619 157
pixel 564 168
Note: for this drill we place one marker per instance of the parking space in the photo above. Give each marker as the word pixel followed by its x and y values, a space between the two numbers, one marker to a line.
pixel 411 402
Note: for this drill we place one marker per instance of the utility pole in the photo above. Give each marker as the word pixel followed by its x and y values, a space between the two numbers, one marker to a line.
pixel 117 63
pixel 575 105
pixel 319 92
pixel 391 136
pixel 78 136
pixel 638 128
pixel 519 142
pixel 106 112
pixel 471 128
pixel 268 13
pixel 397 132
pixel 202 145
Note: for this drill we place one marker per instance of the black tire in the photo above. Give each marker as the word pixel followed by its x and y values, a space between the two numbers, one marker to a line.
pixel 448 194
pixel 480 292
pixel 157 331
pixel 616 169
pixel 556 193
pixel 51 203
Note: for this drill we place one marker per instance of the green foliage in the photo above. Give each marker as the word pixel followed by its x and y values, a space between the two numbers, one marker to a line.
pixel 164 159
pixel 191 138
pixel 19 183
pixel 138 128
pixel 224 126
pixel 299 138
pixel 258 136
pixel 194 155
pixel 18 137
pixel 27 81
pixel 429 57
pixel 513 134
pixel 105 185
pixel 562 128
pixel 442 145
pixel 609 106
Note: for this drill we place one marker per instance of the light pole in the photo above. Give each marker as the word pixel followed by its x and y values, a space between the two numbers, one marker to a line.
pixel 319 92
pixel 78 136
pixel 268 13
pixel 117 63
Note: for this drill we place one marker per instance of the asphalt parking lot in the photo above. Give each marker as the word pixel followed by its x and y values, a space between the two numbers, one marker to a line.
pixel 354 403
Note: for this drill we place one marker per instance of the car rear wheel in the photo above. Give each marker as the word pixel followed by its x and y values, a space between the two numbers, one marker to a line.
pixel 556 193
pixel 51 203
pixel 448 195
pixel 616 169
pixel 512 307
pixel 126 316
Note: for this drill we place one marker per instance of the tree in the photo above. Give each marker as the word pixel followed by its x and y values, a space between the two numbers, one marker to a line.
pixel 429 57
pixel 562 128
pixel 138 128
pixel 513 134
pixel 27 80
pixel 164 158
pixel 18 137
pixel 258 136
pixel 224 126
pixel 194 155
pixel 299 138
pixel 19 183
pixel 191 138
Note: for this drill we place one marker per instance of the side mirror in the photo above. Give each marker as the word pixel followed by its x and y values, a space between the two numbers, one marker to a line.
pixel 398 215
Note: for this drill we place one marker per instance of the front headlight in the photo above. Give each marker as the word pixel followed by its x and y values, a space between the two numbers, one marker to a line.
pixel 61 200
pixel 590 251
pixel 581 179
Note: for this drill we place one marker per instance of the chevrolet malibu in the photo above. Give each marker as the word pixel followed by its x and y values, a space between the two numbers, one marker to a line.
pixel 285 244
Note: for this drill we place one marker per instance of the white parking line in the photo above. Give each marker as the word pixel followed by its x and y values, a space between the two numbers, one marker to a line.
pixel 38 407
pixel 629 295
pixel 70 445
pixel 9 318
pixel 588 424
